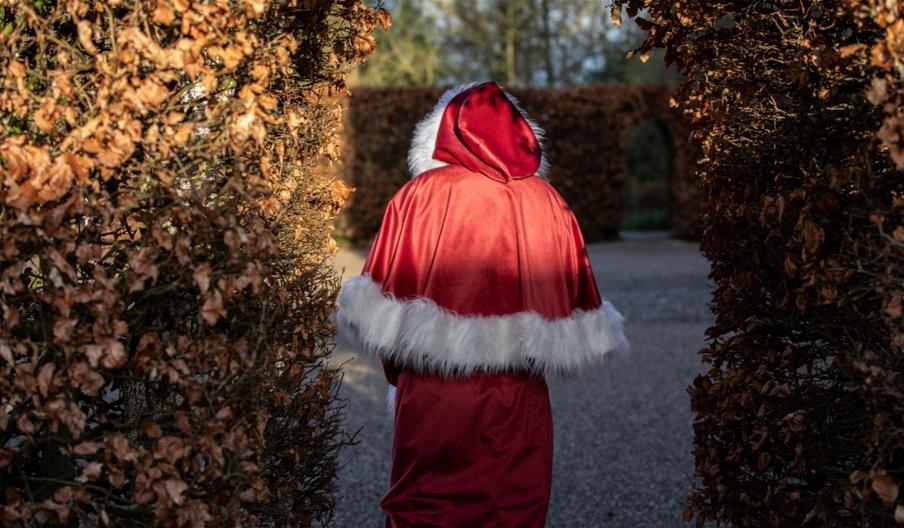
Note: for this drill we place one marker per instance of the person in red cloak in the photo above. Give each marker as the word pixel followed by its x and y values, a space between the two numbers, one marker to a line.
pixel 477 287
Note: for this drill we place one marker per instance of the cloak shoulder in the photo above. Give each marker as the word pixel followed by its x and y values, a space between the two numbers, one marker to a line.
pixel 469 274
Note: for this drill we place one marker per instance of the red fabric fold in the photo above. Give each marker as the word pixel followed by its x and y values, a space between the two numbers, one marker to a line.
pixel 474 452
pixel 478 247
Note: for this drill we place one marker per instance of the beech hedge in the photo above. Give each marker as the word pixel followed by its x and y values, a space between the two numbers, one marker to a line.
pixel 165 285
pixel 796 108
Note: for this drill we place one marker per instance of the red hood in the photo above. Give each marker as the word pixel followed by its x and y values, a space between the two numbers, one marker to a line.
pixel 479 128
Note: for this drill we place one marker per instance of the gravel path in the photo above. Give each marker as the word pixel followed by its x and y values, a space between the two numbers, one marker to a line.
pixel 622 432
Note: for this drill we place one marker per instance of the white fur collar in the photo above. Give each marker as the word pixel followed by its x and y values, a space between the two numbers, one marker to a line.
pixel 423 143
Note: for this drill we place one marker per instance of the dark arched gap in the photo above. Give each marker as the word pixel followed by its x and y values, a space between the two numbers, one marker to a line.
pixel 649 173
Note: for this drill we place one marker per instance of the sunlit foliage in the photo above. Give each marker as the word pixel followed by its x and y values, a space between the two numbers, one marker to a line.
pixel 164 230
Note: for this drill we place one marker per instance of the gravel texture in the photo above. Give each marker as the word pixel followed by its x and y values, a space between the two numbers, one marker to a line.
pixel 623 432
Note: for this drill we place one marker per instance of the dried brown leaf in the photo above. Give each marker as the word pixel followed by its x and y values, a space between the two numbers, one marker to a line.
pixel 885 487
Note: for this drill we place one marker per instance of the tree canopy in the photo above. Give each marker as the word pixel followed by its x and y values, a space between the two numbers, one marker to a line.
pixel 516 42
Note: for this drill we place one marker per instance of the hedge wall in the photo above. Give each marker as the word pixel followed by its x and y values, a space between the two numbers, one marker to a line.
pixel 796 107
pixel 164 259
pixel 587 130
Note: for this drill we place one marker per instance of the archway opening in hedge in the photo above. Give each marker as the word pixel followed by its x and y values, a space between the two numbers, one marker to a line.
pixel 649 172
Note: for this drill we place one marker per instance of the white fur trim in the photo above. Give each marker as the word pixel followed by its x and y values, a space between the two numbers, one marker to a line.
pixel 420 334
pixel 390 399
pixel 423 142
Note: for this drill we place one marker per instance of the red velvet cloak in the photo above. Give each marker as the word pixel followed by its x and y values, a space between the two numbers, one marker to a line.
pixel 476 287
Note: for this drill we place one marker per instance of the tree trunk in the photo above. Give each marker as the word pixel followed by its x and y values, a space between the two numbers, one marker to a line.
pixel 547 46
pixel 511 30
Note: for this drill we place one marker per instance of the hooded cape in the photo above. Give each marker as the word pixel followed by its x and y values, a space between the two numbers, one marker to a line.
pixel 479 264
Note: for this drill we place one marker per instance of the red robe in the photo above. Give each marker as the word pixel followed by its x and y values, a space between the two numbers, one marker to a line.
pixel 477 286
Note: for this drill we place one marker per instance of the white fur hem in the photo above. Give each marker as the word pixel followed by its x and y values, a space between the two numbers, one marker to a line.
pixel 420 334
pixel 423 143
